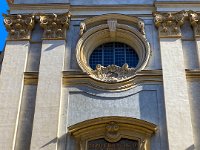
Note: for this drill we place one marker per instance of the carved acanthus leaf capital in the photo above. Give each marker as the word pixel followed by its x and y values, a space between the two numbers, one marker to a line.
pixel 19 27
pixel 169 24
pixel 55 25
pixel 194 18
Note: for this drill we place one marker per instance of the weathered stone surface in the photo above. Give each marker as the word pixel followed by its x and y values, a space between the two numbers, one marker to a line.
pixel 176 95
pixel 46 118
pixel 11 85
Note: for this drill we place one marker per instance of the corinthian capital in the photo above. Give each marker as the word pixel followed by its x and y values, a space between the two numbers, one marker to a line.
pixel 55 25
pixel 194 18
pixel 19 27
pixel 169 24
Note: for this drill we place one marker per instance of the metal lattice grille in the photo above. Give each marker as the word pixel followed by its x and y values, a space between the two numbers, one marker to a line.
pixel 114 53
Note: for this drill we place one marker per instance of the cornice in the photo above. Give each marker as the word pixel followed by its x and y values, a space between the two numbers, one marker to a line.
pixel 73 78
pixel 75 9
pixel 191 74
pixel 38 6
pixel 78 78
pixel 169 6
pixel 96 7
pixel 31 78
pixel 170 3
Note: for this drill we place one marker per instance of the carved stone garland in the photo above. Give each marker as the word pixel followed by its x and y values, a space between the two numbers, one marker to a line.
pixel 113 73
pixel 169 24
pixel 194 18
pixel 19 27
pixel 55 25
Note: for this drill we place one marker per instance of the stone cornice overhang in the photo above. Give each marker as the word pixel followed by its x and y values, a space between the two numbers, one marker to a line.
pixel 75 78
pixel 38 6
pixel 54 8
pixel 177 3
pixel 78 78
pixel 192 74
pixel 171 6
pixel 71 78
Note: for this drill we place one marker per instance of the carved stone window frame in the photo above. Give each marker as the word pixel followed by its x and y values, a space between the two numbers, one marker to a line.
pixel 112 28
pixel 127 128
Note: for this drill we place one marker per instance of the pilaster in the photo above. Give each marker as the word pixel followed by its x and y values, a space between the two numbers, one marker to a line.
pixel 12 76
pixel 47 117
pixel 177 105
pixel 195 22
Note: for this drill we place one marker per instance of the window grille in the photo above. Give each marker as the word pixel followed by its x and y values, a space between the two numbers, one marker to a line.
pixel 113 53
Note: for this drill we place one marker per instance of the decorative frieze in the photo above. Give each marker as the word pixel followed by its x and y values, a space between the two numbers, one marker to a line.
pixel 194 18
pixel 55 25
pixel 19 27
pixel 169 24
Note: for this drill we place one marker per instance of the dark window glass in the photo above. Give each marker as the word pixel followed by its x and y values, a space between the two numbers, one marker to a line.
pixel 113 53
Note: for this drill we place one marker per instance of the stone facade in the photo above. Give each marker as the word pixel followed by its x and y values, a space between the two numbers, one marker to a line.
pixel 50 98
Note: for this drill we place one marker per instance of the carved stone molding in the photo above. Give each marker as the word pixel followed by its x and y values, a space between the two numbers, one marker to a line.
pixel 194 18
pixel 112 21
pixel 112 132
pixel 107 28
pixel 113 129
pixel 112 24
pixel 113 73
pixel 19 27
pixel 169 24
pixel 82 28
pixel 141 27
pixel 55 25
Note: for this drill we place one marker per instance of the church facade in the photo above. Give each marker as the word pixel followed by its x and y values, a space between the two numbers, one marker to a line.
pixel 101 75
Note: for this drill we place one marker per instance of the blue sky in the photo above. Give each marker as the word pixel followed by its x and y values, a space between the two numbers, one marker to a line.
pixel 3 33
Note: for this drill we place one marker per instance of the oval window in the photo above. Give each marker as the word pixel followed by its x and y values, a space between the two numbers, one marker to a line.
pixel 114 53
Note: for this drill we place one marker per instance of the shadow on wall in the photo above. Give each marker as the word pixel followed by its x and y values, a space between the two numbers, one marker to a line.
pixel 191 148
pixel 53 46
pixel 61 141
pixel 1 59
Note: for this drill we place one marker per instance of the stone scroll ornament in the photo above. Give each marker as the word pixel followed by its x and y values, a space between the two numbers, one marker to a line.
pixel 194 18
pixel 19 26
pixel 169 24
pixel 55 25
pixel 113 73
